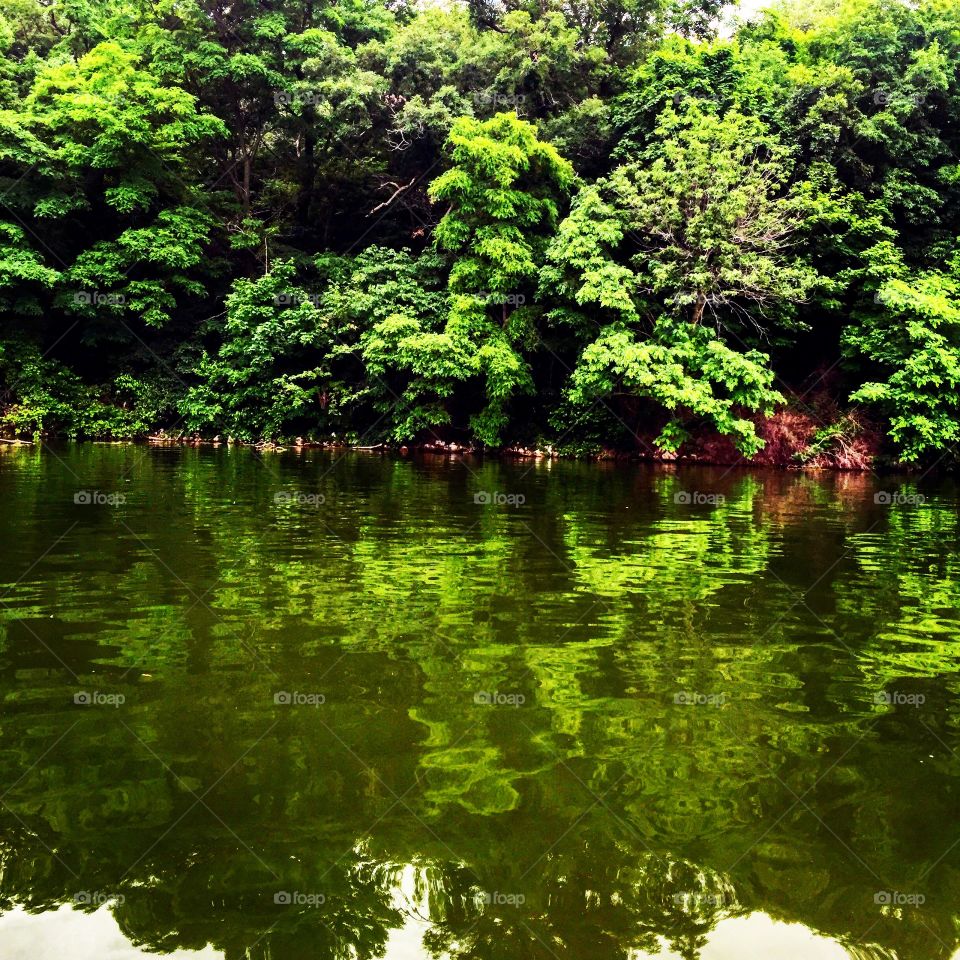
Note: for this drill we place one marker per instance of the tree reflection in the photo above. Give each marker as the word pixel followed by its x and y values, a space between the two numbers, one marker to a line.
pixel 603 809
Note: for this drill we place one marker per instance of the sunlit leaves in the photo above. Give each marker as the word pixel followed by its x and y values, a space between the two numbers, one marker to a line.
pixel 912 335
pixel 684 369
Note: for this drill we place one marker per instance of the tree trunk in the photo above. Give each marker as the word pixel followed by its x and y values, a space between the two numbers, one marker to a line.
pixel 698 309
pixel 308 172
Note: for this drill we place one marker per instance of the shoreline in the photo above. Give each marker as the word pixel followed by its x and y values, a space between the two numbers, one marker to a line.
pixel 453 450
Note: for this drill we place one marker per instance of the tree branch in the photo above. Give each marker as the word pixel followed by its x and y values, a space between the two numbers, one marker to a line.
pixel 396 193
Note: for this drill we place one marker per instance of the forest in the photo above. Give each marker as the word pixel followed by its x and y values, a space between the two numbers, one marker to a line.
pixel 647 226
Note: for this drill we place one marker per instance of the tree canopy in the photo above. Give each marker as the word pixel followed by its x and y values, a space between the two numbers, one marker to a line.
pixel 633 225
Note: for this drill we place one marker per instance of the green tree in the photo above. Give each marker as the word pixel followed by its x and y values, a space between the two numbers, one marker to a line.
pixel 503 192
pixel 118 147
pixel 266 376
pixel 911 337
pixel 703 226
pixel 699 230
pixel 684 368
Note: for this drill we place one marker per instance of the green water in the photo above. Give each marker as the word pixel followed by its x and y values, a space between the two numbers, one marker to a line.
pixel 333 706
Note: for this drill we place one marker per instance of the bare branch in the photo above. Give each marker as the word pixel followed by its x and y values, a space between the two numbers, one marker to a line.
pixel 396 193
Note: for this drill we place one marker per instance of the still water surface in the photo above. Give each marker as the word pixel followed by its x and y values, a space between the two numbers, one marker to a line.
pixel 306 705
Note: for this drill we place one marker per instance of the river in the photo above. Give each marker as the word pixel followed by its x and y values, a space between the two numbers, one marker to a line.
pixel 313 704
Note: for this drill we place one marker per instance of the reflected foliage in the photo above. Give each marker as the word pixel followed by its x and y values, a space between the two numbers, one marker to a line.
pixel 499 762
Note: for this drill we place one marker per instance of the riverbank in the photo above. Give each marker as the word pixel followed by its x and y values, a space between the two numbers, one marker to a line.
pixel 791 443
pixel 816 437
pixel 793 440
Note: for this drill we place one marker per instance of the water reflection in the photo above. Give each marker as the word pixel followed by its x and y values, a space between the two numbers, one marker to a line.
pixel 306 706
pixel 64 932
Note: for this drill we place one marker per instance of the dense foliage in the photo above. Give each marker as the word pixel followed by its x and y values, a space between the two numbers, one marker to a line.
pixel 578 224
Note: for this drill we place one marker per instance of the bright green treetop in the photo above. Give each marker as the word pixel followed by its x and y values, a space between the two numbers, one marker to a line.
pixel 503 192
